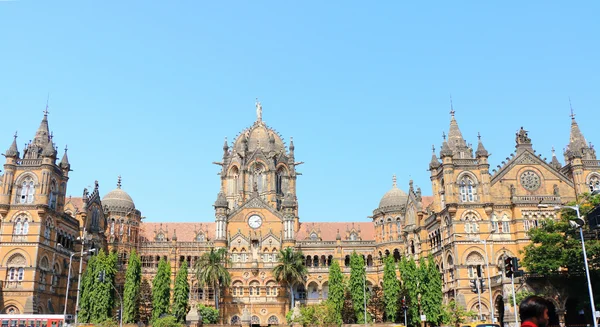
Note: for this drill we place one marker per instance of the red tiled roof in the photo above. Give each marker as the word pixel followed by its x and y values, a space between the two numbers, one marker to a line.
pixel 77 202
pixel 186 232
pixel 329 230
pixel 426 201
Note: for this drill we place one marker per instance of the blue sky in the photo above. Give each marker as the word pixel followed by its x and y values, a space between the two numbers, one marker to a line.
pixel 149 89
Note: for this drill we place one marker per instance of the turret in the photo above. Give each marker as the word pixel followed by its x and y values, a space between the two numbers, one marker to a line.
pixel 64 164
pixel 434 163
pixel 221 206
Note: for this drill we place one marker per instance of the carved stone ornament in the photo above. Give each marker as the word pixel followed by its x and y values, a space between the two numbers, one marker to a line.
pixel 530 180
pixel 255 203
pixel 17 260
pixel 246 275
pixel 526 159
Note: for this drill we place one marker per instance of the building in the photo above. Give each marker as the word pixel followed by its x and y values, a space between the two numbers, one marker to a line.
pixel 473 218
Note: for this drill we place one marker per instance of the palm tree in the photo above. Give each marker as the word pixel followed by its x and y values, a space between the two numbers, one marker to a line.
pixel 211 270
pixel 290 270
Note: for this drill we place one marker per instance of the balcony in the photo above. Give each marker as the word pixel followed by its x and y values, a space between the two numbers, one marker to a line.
pixel 13 285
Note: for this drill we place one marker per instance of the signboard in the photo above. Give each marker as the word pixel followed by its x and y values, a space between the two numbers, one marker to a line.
pixel 423 318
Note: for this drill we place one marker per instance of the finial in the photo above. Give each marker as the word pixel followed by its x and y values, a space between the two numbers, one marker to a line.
pixel 66 148
pixel 451 107
pixel 433 148
pixel 15 135
pixel 119 181
pixel 570 106
pixel 394 180
pixel 46 112
pixel 478 136
pixel 553 151
pixel 444 135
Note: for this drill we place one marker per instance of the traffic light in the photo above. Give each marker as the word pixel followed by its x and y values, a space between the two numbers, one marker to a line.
pixel 118 315
pixel 515 263
pixel 508 266
pixel 101 276
pixel 404 307
pixel 473 283
pixel 482 285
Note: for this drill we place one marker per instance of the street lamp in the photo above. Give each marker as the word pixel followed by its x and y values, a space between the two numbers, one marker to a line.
pixel 71 254
pixel 365 293
pixel 578 223
pixel 84 237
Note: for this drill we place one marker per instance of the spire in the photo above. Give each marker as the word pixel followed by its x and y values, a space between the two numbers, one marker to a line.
pixel 13 151
pixel 42 135
pixel 555 163
pixel 49 150
pixel 64 162
pixel 292 147
pixel 455 138
pixel 221 201
pixel 577 141
pixel 481 151
pixel 445 151
pixel 434 160
pixel 119 181
pixel 174 238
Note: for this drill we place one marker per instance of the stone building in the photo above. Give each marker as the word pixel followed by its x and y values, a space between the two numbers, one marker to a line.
pixel 473 218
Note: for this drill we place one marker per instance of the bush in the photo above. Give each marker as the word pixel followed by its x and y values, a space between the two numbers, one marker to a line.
pixel 318 315
pixel 166 321
pixel 209 315
pixel 108 323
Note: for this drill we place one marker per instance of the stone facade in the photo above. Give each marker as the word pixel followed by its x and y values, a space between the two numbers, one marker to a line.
pixel 473 218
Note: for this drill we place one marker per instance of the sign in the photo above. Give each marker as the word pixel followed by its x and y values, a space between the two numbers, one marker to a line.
pixel 597 314
pixel 423 318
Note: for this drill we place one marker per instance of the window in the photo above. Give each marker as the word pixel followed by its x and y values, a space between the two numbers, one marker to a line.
pixel 27 191
pixel 314 236
pixel 526 224
pixel 594 183
pixel 471 224
pixel 52 195
pixel 235 320
pixel 254 289
pixel 467 189
pixel 505 226
pixel 494 223
pixel 353 236
pixel 160 237
pixel 474 271
pixel 112 227
pixel 200 237
pixel 271 289
pixel 47 231
pixel 238 289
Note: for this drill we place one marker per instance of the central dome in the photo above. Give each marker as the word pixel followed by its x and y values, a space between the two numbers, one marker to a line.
pixel 259 136
pixel 394 197
pixel 118 200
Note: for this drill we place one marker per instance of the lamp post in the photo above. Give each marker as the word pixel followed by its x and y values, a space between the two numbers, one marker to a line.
pixel 83 238
pixel 365 293
pixel 578 223
pixel 68 278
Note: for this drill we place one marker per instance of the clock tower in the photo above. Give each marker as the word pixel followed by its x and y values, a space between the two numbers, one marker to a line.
pixel 256 209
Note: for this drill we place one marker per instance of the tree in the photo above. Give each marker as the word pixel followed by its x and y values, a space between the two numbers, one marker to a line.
pixel 455 315
pixel 145 302
pixel 211 270
pixel 209 315
pixel 317 315
pixel 431 290
pixel 97 298
pixel 131 293
pixel 391 289
pixel 556 246
pixel 161 290
pixel 357 286
pixel 376 305
pixel 522 294
pixel 168 321
pixel 290 270
pixel 336 290
pixel 181 293
pixel 410 287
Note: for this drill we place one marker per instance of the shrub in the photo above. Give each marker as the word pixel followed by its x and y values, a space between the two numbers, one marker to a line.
pixel 209 315
pixel 166 321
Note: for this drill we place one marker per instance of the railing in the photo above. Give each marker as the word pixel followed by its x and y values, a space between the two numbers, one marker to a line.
pixel 13 284
pixel 464 161
pixel 595 163
pixel 316 243
pixel 19 238
pixel 30 162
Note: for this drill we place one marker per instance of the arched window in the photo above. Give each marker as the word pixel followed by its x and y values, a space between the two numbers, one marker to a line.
pixel 273 320
pixel 52 195
pixel 594 183
pixel 254 289
pixel 27 190
pixel 505 224
pixel 16 267
pixel 238 289
pixel 160 237
pixel 112 227
pixel 314 236
pixel 353 236
pixel 467 189
pixel 200 237
pixel 281 182
pixel 235 320
pixel 471 223
pixel 495 223
pixel 95 219
pixel 271 289
pixel 243 255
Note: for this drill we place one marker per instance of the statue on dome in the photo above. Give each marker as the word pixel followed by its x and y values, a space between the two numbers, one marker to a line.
pixel 258 111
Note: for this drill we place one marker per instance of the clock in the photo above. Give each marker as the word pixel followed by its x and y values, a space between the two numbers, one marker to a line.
pixel 255 221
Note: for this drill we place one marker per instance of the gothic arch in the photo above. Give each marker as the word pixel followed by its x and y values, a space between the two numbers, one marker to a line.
pixel 471 214
pixel 468 174
pixel 26 174
pixel 21 214
pixel 13 253
pixel 474 256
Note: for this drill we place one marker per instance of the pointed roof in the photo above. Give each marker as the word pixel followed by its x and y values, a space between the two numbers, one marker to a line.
pixel 42 135
pixel 434 160
pixel 13 151
pixel 481 151
pixel 455 138
pixel 49 150
pixel 221 201
pixel 555 163
pixel 445 151
pixel 64 162
pixel 577 141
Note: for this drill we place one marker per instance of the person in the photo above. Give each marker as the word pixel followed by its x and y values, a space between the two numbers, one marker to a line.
pixel 533 312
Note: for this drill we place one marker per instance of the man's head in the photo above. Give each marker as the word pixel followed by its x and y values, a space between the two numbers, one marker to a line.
pixel 535 309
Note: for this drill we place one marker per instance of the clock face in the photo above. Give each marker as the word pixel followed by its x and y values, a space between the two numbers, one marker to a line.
pixel 255 221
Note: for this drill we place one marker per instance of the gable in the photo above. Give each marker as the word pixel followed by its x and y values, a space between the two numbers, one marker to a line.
pixel 527 158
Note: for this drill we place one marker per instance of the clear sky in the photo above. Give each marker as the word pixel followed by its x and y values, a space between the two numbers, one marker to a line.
pixel 149 89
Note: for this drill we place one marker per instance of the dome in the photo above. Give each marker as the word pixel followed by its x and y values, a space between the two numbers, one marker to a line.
pixel 118 200
pixel 394 197
pixel 259 136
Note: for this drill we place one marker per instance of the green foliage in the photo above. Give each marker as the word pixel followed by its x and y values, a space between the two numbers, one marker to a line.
pixel 161 290
pixel 317 315
pixel 131 293
pixel 455 315
pixel 522 294
pixel 411 288
pixel 97 298
pixel 209 315
pixel 376 305
pixel 391 289
pixel 167 321
pixel 555 245
pixel 356 285
pixel 431 291
pixel 145 301
pixel 336 290
pixel 211 270
pixel 348 316
pixel 181 293
pixel 289 270
pixel 108 323
pixel 288 317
